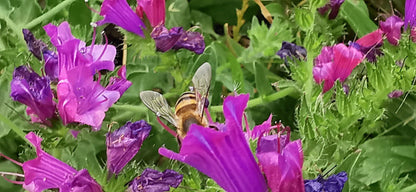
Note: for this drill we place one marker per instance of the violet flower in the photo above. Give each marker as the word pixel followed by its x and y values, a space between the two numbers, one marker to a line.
pixel 281 160
pixel 83 100
pixel 29 88
pixel 334 6
pixel 177 38
pixel 154 9
pixel 72 52
pixel 395 94
pixel 124 143
pixel 410 14
pixel 51 65
pixel 334 183
pixel 223 155
pixel 154 181
pixel 119 13
pixel 291 50
pixel 36 46
pixel 392 27
pixel 336 62
pixel 47 172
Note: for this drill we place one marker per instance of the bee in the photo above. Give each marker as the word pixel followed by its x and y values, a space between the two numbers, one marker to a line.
pixel 189 108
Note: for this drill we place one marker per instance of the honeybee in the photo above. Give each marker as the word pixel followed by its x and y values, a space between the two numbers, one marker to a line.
pixel 189 108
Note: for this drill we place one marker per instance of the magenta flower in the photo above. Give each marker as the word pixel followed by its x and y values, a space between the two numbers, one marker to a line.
pixel 124 143
pixel 176 38
pixel 223 155
pixel 336 62
pixel 280 159
pixel 119 13
pixel 120 83
pixel 156 181
pixel 72 52
pixel 29 88
pixel 334 6
pixel 395 94
pixel 47 172
pixel 410 14
pixel 83 100
pixel 154 9
pixel 335 183
pixel 370 44
pixel 392 27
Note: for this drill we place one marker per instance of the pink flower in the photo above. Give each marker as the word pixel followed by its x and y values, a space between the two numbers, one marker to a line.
pixel 392 27
pixel 154 9
pixel 336 62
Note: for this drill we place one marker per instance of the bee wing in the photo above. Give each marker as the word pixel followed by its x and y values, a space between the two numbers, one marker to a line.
pixel 202 81
pixel 158 104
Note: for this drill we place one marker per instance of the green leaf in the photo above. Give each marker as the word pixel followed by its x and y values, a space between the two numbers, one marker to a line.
pixel 355 12
pixel 263 85
pixel 79 14
pixel 26 12
pixel 5 9
pixel 304 18
pixel 276 9
pixel 178 14
pixel 204 21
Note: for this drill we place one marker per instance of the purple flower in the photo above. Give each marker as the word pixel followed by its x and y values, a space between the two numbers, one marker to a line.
pixel 291 50
pixel 177 38
pixel 119 13
pixel 154 9
pixel 83 100
pixel 334 6
pixel 392 27
pixel 410 14
pixel 120 83
pixel 223 155
pixel 124 143
pixel 29 88
pixel 51 65
pixel 334 183
pixel 395 94
pixel 336 62
pixel 34 45
pixel 47 172
pixel 72 52
pixel 154 181
pixel 281 160
pixel 192 41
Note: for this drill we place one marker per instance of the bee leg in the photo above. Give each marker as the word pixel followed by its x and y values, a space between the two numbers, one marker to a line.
pixel 166 127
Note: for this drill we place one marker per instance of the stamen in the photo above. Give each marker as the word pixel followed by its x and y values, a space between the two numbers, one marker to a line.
pixel 105 47
pixel 12 160
pixel 246 123
pixel 278 139
pixel 90 8
pixel 208 116
pixel 13 174
pixel 93 39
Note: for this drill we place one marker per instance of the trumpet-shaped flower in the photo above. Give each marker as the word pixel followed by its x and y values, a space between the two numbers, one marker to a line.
pixel 34 45
pixel 370 44
pixel 154 9
pixel 124 143
pixel 334 6
pixel 120 83
pixel 47 172
pixel 155 181
pixel 177 38
pixel 392 27
pixel 83 100
pixel 29 88
pixel 334 183
pixel 223 155
pixel 410 14
pixel 73 52
pixel 336 62
pixel 119 13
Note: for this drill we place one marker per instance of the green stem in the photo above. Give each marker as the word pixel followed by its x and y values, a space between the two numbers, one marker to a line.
pixel 49 14
pixel 14 127
pixel 261 100
pixel 133 108
pixel 15 29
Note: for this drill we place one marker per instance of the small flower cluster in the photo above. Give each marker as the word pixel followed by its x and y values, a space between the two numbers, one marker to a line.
pixel 81 99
